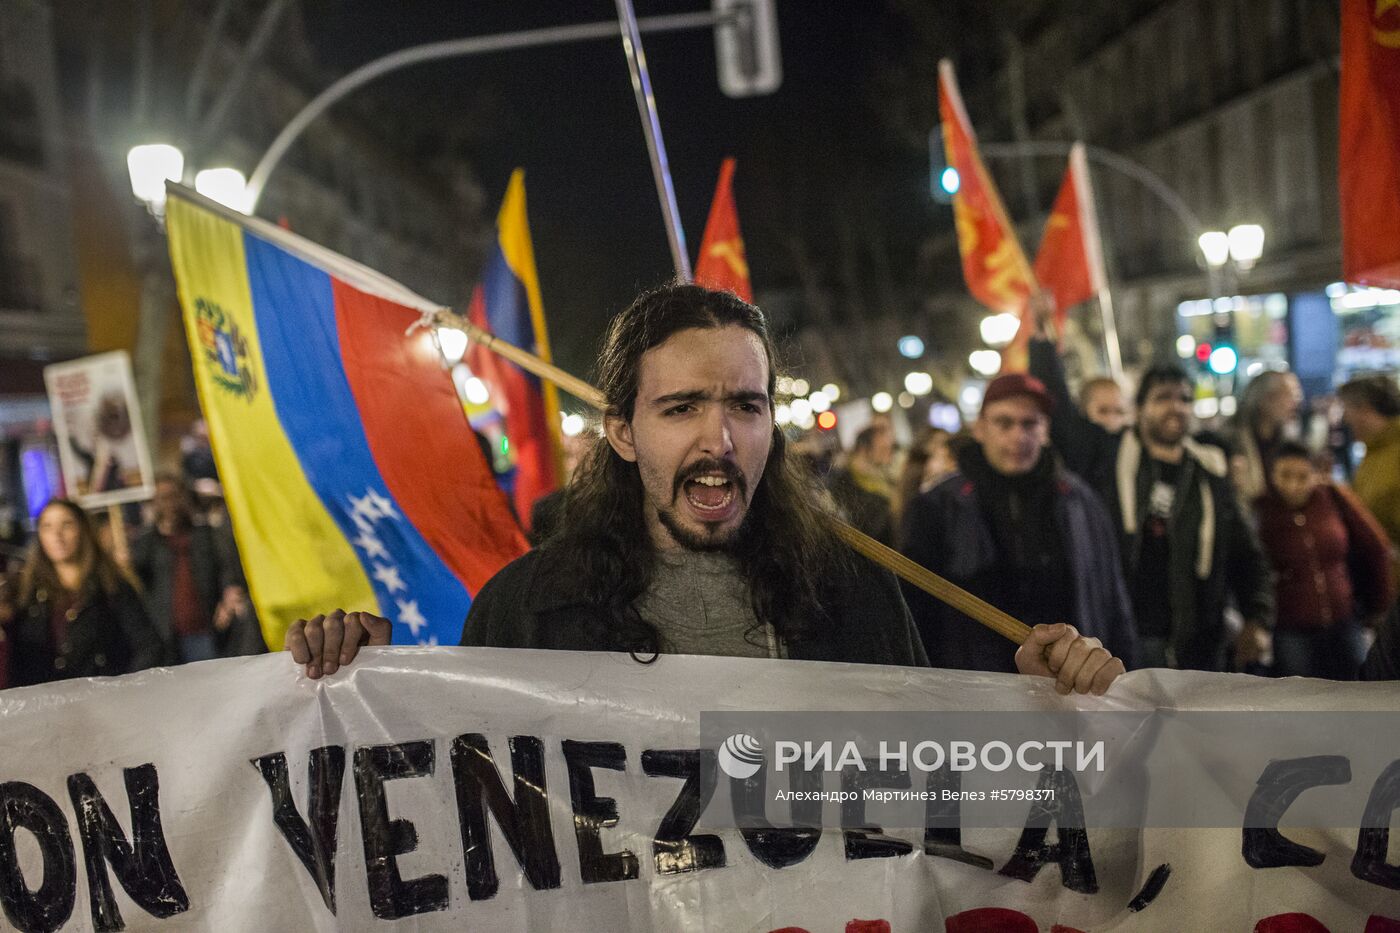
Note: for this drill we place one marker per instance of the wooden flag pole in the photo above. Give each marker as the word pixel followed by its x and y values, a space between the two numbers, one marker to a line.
pixel 901 566
pixel 116 522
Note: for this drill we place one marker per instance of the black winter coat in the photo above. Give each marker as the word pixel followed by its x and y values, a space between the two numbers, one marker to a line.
pixel 537 602
pixel 948 531
pixel 108 634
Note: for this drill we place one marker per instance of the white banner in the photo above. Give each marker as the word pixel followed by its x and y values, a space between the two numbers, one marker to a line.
pixel 238 795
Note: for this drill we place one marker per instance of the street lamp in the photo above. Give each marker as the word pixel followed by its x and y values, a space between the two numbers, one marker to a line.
pixel 150 167
pixel 1246 245
pixel 1215 246
pixel 227 186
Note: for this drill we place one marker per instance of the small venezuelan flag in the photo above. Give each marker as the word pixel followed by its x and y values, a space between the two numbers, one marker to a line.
pixel 507 304
pixel 351 475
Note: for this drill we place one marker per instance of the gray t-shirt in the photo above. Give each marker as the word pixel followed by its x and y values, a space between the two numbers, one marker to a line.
pixel 699 603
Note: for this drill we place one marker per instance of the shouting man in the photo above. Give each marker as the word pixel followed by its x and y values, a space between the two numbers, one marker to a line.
pixel 688 529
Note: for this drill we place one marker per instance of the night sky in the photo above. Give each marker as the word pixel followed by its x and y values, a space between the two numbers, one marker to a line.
pixel 819 146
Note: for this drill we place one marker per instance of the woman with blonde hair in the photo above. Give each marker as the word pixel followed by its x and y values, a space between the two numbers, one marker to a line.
pixel 73 612
pixel 1268 417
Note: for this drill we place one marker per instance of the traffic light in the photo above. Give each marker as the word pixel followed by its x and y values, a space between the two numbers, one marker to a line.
pixel 746 47
pixel 1223 359
pixel 943 179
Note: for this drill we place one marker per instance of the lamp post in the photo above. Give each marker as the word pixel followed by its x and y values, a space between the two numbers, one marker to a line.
pixel 1230 253
pixel 227 186
pixel 149 167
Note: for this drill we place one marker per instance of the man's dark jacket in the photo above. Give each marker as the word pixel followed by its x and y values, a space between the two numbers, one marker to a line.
pixel 947 530
pixel 213 562
pixel 538 601
pixel 1215 553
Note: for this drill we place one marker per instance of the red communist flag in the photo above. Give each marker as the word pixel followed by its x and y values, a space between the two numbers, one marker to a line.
pixel 721 263
pixel 1370 142
pixel 1070 262
pixel 994 265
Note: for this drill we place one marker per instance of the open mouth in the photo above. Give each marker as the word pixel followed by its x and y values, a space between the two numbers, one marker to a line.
pixel 711 494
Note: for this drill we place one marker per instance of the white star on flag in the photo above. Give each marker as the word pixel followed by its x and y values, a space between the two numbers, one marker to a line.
pixel 388 574
pixel 373 547
pixel 383 507
pixel 410 616
pixel 364 506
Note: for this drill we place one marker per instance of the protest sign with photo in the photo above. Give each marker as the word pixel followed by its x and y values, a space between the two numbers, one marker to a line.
pixel 97 419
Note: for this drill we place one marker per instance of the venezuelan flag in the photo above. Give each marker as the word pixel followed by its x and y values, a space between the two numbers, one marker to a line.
pixel 351 476
pixel 507 303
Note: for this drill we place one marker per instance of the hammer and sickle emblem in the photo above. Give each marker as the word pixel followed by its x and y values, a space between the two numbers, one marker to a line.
pixel 732 252
pixel 1390 38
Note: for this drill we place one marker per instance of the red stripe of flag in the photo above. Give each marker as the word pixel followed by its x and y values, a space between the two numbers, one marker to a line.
pixel 420 439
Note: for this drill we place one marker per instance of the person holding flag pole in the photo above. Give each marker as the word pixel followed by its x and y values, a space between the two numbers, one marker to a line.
pixel 690 530
pixel 691 489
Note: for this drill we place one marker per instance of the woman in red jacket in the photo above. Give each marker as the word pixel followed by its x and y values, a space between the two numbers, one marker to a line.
pixel 1331 559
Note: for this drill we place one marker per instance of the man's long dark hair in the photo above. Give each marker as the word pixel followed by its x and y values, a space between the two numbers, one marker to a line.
pixel 784 547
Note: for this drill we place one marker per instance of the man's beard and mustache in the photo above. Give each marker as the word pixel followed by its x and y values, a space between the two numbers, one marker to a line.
pixel 1167 431
pixel 713 538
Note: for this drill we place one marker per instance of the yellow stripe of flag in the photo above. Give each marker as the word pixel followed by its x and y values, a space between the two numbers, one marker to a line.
pixel 297 561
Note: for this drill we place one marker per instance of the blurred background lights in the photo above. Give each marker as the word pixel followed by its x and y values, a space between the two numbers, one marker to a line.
pixel 985 362
pixel 882 402
pixel 453 343
pixel 999 329
pixel 572 425
pixel 911 347
pixel 918 383
pixel 476 391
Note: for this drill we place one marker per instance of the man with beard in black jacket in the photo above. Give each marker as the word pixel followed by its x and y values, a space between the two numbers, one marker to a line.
pixel 1187 549
pixel 1013 527
pixel 689 529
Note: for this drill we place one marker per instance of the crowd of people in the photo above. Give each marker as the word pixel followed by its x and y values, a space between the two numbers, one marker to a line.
pixel 693 524
pixel 1208 550
pixel 80 604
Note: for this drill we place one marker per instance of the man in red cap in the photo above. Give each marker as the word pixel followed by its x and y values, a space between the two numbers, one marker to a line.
pixel 1015 528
